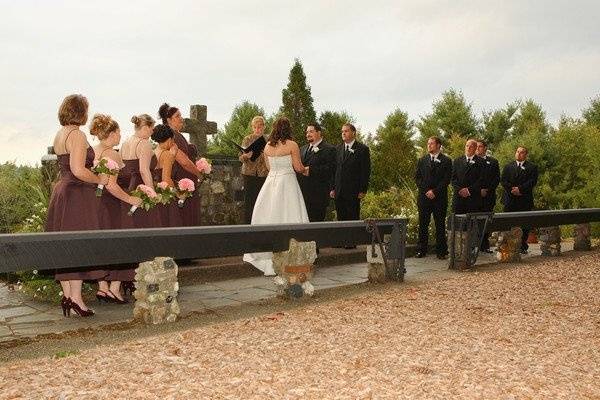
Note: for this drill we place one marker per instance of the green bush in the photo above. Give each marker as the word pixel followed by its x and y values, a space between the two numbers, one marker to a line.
pixel 21 195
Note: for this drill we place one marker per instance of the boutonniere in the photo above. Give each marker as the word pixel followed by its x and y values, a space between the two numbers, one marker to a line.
pixel 523 168
pixel 315 149
pixel 488 163
pixel 437 160
pixel 351 151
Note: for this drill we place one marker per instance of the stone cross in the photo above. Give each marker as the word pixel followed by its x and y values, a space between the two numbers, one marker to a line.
pixel 198 127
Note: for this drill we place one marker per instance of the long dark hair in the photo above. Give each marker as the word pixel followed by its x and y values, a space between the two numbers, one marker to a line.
pixel 282 131
pixel 166 111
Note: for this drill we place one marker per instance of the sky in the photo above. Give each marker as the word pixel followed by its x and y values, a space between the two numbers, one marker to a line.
pixel 364 57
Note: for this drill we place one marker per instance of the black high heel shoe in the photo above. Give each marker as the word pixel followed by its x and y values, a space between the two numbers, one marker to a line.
pixel 104 297
pixel 79 311
pixel 115 299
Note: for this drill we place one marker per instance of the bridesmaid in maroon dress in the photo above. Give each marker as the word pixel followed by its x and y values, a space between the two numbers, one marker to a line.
pixel 184 167
pixel 165 155
pixel 139 163
pixel 108 133
pixel 73 205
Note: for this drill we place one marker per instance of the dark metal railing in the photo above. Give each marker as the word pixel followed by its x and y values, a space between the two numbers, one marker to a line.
pixel 50 250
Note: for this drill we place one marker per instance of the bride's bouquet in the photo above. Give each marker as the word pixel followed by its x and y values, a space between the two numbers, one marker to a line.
pixel 148 196
pixel 105 166
pixel 185 189
pixel 165 192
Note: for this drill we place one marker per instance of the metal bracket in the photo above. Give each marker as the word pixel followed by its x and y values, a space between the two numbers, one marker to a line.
pixel 393 251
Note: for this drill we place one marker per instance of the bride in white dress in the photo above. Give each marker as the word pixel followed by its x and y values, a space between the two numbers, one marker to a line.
pixel 280 200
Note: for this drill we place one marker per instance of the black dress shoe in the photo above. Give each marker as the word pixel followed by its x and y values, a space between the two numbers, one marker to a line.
pixel 524 251
pixel 488 251
pixel 420 254
pixel 349 247
pixel 442 256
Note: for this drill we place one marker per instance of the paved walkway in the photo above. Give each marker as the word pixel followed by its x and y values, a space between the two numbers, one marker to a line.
pixel 21 318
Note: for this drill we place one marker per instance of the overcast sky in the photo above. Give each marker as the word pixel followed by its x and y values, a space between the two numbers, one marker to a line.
pixel 364 57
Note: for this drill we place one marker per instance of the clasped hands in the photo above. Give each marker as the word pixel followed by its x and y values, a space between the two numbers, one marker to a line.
pixel 464 192
pixel 515 191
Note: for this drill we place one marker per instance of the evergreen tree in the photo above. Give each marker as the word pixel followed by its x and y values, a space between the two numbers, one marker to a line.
pixel 298 102
pixel 591 115
pixel 497 125
pixel 235 129
pixel 451 116
pixel 393 153
pixel 331 124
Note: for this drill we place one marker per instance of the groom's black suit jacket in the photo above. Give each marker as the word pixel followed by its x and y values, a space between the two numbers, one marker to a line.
pixel 315 187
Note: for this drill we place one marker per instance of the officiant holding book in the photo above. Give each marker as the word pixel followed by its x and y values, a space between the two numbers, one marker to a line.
pixel 254 169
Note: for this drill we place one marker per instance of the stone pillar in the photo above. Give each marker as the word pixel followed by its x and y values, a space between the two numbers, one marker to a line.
pixel 460 250
pixel 156 289
pixel 508 248
pixel 582 233
pixel 549 239
pixel 377 273
pixel 295 269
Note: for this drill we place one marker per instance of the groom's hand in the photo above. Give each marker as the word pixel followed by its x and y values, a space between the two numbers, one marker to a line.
pixel 332 194
pixel 361 195
pixel 306 171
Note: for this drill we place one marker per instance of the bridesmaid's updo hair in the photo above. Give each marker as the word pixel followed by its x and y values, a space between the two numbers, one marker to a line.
pixel 282 131
pixel 162 133
pixel 73 110
pixel 102 126
pixel 166 111
pixel 139 121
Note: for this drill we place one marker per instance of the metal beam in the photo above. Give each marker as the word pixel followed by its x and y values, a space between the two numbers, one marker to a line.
pixel 50 250
pixel 538 219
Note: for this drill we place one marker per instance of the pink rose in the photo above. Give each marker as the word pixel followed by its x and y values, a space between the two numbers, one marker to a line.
pixel 163 185
pixel 148 191
pixel 186 184
pixel 203 165
pixel 111 164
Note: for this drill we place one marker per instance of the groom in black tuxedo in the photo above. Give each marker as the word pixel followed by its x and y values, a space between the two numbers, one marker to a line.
pixel 318 158
pixel 352 172
pixel 518 180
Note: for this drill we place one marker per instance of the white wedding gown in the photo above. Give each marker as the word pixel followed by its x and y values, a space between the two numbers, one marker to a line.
pixel 279 201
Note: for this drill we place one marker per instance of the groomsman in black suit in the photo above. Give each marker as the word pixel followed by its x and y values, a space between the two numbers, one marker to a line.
pixel 319 159
pixel 518 180
pixel 351 181
pixel 432 177
pixel 490 178
pixel 466 181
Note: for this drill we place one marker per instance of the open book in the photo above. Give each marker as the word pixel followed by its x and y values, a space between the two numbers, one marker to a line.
pixel 255 147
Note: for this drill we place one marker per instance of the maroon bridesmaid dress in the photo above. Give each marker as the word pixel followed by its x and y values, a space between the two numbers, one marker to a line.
pixel 141 218
pixel 190 212
pixel 74 207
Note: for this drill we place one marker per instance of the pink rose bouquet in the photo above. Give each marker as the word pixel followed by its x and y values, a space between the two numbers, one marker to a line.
pixel 204 165
pixel 148 196
pixel 104 166
pixel 185 189
pixel 165 192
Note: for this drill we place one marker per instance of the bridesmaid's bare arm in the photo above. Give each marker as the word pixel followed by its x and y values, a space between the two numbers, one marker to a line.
pixel 187 164
pixel 77 147
pixel 114 188
pixel 145 156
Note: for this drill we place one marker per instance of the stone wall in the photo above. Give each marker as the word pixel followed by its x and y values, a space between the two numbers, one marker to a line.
pixel 221 193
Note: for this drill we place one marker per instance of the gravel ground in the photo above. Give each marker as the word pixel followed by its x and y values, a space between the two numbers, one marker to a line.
pixel 531 331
